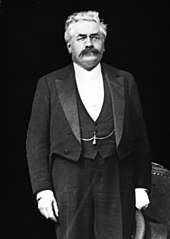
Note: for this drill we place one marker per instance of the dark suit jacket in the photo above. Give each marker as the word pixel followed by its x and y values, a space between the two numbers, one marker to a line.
pixel 54 126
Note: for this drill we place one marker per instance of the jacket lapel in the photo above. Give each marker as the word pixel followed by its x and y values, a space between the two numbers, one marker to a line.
pixel 67 94
pixel 66 88
pixel 118 102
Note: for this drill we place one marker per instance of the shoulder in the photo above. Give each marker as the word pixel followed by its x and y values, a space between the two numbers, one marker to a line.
pixel 48 80
pixel 119 74
pixel 59 73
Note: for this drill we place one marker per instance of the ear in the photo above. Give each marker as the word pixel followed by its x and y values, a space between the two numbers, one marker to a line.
pixel 69 47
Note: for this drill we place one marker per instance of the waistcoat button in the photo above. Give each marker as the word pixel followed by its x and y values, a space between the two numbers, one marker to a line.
pixel 66 151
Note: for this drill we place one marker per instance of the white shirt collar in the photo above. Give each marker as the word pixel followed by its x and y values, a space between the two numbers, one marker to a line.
pixel 82 73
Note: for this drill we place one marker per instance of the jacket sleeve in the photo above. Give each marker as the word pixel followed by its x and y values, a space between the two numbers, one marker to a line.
pixel 37 142
pixel 142 144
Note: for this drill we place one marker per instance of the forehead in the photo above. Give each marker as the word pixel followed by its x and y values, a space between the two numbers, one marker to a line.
pixel 86 27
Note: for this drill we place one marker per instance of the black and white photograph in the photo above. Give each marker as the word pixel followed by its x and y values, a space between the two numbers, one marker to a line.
pixel 84 120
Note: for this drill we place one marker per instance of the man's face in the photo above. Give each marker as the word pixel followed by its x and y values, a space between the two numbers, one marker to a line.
pixel 86 44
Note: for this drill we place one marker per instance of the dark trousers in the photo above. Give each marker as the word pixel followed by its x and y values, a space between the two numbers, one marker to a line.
pixel 88 198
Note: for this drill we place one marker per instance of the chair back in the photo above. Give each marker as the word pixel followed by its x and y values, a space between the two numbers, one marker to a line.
pixel 157 215
pixel 159 208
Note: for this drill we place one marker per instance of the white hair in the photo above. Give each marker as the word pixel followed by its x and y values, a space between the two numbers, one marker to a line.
pixel 87 16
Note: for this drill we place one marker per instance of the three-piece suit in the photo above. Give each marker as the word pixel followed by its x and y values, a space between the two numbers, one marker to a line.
pixel 93 182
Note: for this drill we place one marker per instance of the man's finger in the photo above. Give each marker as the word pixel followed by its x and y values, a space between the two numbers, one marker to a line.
pixel 51 214
pixel 44 212
pixel 145 206
pixel 55 208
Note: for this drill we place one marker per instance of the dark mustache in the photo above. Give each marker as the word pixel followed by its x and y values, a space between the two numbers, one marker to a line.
pixel 89 50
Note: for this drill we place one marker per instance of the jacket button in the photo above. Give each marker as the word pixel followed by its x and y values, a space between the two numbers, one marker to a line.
pixel 66 151
pixel 69 132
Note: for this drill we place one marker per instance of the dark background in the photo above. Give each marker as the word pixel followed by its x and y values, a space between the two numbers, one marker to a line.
pixel 33 45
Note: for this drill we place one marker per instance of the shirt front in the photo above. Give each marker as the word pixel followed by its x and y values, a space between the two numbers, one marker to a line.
pixel 91 89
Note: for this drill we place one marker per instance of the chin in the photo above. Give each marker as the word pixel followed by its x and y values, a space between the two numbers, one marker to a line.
pixel 90 63
pixel 89 66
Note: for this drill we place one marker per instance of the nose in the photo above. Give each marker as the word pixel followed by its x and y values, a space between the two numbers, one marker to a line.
pixel 88 42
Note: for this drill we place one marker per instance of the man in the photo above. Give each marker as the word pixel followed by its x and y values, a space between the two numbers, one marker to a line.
pixel 88 151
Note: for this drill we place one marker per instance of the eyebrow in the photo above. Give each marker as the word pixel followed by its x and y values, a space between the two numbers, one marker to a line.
pixel 91 35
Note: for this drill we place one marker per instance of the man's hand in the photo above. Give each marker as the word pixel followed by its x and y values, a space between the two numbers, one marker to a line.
pixel 47 204
pixel 142 199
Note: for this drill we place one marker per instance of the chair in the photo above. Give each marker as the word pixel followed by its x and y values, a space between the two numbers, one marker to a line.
pixel 154 222
pixel 157 215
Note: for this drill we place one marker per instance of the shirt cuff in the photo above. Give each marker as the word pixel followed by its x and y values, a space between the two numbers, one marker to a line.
pixel 141 189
